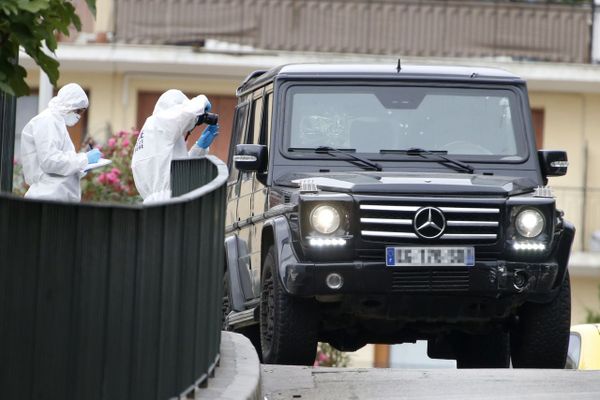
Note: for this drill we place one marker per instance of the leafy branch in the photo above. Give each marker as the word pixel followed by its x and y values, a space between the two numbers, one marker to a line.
pixel 34 25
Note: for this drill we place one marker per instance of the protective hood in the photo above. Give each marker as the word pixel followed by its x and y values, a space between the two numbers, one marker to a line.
pixel 173 100
pixel 69 98
pixel 168 99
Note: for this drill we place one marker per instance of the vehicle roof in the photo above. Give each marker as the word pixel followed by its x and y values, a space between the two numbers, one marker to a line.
pixel 386 71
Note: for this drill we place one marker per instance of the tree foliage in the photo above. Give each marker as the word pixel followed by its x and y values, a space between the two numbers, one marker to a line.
pixel 34 25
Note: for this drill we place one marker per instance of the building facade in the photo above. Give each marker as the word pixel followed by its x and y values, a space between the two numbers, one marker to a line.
pixel 127 56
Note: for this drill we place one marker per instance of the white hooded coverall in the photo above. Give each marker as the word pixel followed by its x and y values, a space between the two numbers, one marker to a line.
pixel 51 166
pixel 161 140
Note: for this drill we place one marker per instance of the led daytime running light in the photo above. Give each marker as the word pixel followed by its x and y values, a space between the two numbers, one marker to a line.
pixel 529 246
pixel 322 242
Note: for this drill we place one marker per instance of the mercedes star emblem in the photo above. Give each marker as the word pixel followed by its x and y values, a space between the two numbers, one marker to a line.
pixel 429 222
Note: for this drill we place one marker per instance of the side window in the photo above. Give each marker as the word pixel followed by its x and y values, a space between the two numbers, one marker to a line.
pixel 239 136
pixel 267 116
pixel 256 121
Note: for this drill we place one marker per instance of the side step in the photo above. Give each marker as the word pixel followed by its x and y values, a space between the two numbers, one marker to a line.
pixel 235 320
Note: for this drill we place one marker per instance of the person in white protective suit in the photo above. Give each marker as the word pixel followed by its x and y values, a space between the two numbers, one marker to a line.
pixel 162 139
pixel 51 166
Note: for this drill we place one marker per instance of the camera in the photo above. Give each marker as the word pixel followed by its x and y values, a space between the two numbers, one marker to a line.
pixel 208 119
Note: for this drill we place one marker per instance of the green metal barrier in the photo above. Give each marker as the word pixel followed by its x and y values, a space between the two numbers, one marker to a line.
pixel 104 301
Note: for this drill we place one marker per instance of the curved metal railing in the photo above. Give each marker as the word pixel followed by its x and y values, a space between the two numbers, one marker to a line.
pixel 106 301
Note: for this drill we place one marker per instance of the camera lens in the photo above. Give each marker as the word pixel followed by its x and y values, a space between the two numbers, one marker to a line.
pixel 211 119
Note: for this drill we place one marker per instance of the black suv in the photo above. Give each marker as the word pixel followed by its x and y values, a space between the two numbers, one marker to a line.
pixel 379 204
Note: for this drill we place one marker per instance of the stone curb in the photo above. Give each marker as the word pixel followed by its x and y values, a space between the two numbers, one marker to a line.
pixel 238 375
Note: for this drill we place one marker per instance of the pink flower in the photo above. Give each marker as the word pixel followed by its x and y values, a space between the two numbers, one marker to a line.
pixel 112 142
pixel 125 142
pixel 102 178
pixel 122 133
pixel 115 171
pixel 112 178
pixel 322 357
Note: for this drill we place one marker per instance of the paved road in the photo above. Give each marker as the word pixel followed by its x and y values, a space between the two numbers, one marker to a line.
pixel 291 382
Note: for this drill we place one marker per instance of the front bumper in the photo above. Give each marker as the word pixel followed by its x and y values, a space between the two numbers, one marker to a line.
pixel 488 279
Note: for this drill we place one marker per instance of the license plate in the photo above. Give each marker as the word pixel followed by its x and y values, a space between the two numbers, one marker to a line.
pixel 429 256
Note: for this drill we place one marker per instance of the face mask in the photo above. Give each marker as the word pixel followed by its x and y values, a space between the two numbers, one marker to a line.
pixel 72 118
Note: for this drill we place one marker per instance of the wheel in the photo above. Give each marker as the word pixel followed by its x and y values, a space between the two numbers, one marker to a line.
pixel 288 325
pixel 482 351
pixel 540 338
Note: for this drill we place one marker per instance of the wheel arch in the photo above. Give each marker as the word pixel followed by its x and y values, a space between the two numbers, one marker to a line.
pixel 277 230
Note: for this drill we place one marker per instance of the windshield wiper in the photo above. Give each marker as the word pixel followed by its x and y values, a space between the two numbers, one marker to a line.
pixel 415 151
pixel 346 152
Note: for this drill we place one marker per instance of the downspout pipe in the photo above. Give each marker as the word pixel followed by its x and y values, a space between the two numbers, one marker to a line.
pixel 595 33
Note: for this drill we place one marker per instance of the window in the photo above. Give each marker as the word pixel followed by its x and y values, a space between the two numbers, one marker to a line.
pixel 268 118
pixel 369 119
pixel 256 124
pixel 239 132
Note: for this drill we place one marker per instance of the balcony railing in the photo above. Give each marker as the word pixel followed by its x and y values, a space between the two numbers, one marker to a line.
pixel 113 302
pixel 427 28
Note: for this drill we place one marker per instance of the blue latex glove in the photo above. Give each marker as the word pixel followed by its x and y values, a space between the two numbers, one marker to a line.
pixel 93 156
pixel 207 137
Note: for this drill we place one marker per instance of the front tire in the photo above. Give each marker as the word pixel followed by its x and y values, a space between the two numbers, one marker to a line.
pixel 288 325
pixel 541 337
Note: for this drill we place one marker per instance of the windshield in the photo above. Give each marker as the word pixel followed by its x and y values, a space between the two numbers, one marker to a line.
pixel 468 123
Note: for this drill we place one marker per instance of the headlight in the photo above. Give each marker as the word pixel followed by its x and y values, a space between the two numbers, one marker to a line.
pixel 529 223
pixel 325 219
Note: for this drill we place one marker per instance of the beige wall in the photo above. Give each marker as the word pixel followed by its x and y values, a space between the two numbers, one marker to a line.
pixel 584 295
pixel 571 121
pixel 113 96
pixel 104 16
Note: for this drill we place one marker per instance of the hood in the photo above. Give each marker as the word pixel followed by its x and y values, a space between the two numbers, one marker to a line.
pixel 412 183
pixel 69 98
pixel 168 99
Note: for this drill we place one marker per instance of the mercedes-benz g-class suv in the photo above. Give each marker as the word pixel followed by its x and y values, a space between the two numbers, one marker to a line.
pixel 388 204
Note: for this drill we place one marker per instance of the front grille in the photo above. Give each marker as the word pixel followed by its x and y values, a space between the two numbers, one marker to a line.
pixel 430 280
pixel 463 222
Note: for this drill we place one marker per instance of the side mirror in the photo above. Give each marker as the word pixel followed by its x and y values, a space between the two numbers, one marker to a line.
pixel 251 157
pixel 553 162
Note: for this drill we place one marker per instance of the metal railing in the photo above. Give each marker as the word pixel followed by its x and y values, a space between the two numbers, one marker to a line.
pixel 428 28
pixel 115 302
